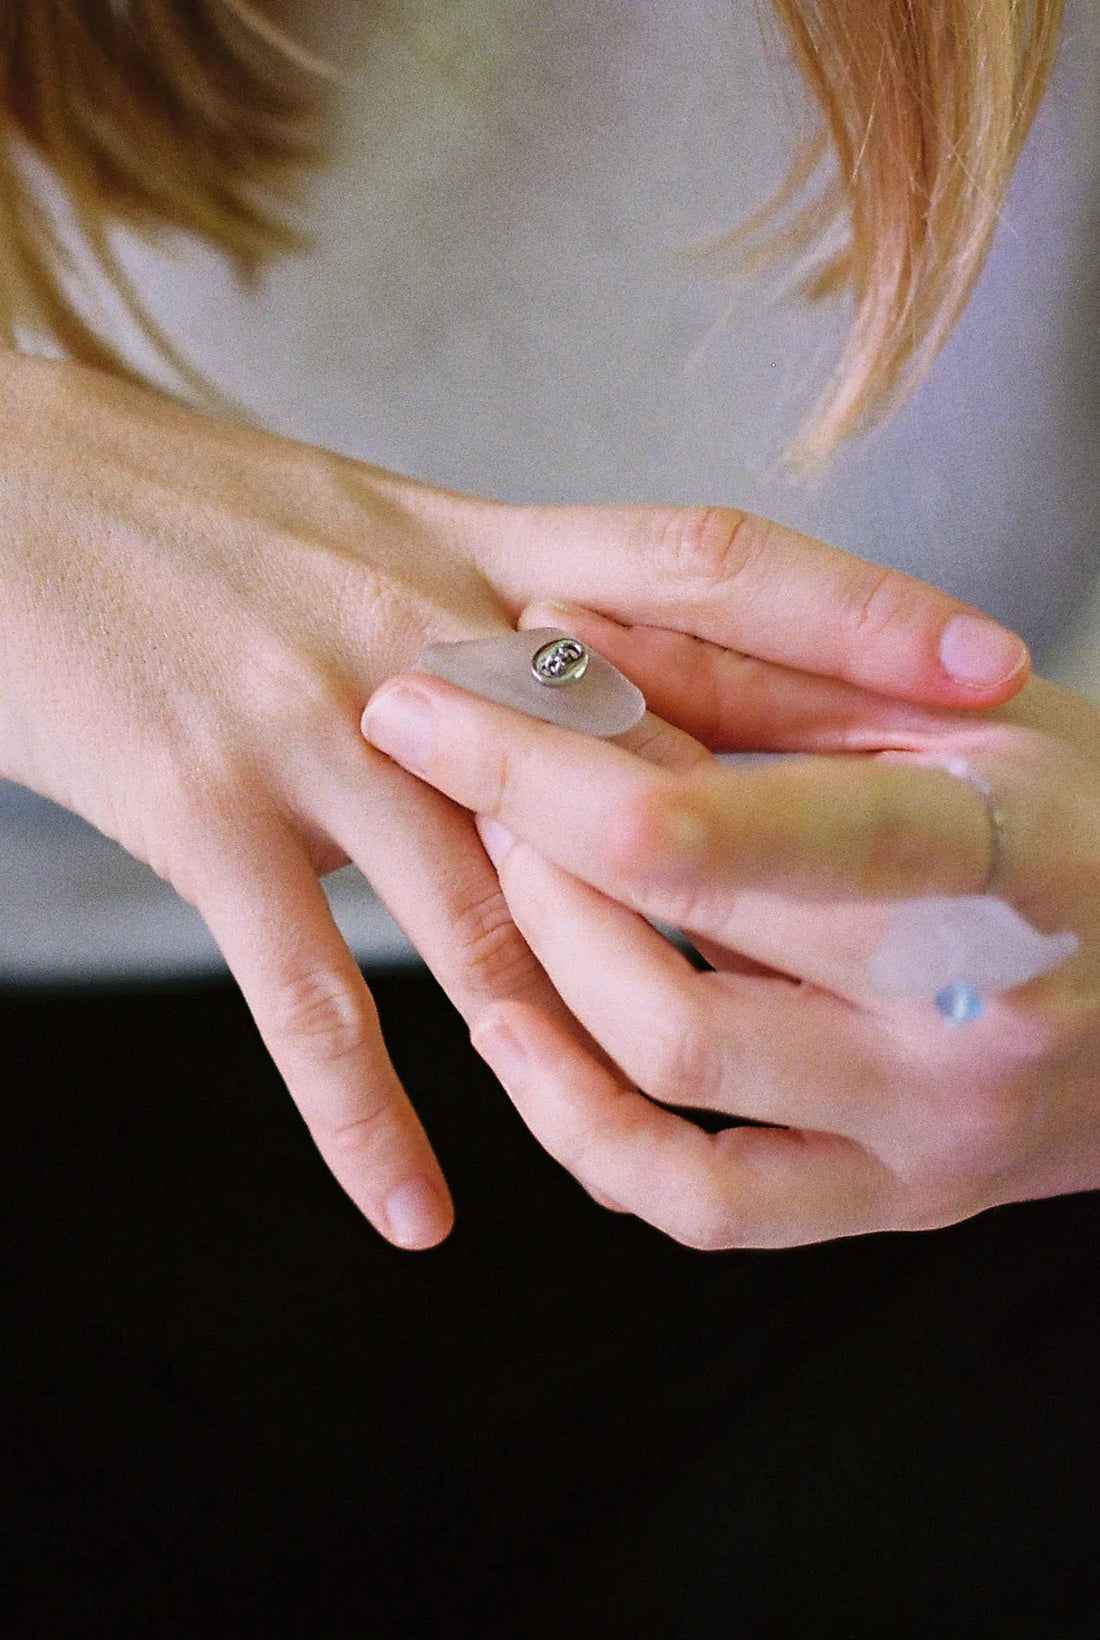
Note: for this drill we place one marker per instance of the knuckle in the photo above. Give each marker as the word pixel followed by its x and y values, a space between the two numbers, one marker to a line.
pixel 874 603
pixel 991 1133
pixel 496 778
pixel 710 545
pixel 484 777
pixel 203 793
pixel 966 1148
pixel 586 1150
pixel 632 836
pixel 711 1236
pixel 660 849
pixel 687 1064
pixel 936 1206
pixel 715 1221
pixel 317 1013
pixel 208 789
pixel 494 957
pixel 352 1135
pixel 333 487
pixel 665 822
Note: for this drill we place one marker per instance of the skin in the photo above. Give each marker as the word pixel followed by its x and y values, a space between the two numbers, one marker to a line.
pixel 192 617
pixel 876 1115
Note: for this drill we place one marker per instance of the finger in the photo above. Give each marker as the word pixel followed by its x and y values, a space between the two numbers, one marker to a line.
pixel 818 828
pixel 752 585
pixel 766 1049
pixel 798 866
pixel 1055 711
pixel 744 1187
pixel 673 846
pixel 734 702
pixel 319 1023
pixel 1046 799
pixel 423 858
pixel 730 702
pixel 668 748
pixel 425 861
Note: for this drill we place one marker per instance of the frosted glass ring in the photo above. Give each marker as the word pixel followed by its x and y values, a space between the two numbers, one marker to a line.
pixel 544 672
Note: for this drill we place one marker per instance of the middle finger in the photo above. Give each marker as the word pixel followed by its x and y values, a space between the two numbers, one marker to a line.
pixel 763 1048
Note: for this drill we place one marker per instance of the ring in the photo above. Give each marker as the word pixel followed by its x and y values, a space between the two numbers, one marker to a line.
pixel 544 672
pixel 962 770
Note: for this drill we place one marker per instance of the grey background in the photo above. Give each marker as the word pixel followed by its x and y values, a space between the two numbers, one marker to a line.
pixel 500 302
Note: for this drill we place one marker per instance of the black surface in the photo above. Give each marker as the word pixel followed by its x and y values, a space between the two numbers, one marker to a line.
pixel 230 1409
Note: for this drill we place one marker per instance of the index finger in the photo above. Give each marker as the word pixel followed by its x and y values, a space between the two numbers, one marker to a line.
pixel 756 586
pixel 677 846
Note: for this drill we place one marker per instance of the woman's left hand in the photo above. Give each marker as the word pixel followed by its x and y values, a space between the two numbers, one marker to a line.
pixel 878 1115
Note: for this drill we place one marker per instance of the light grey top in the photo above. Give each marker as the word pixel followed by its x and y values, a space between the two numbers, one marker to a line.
pixel 499 303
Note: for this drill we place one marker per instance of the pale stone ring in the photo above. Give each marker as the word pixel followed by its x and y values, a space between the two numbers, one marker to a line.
pixel 546 673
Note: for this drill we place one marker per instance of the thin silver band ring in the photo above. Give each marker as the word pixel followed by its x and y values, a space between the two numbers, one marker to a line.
pixel 998 820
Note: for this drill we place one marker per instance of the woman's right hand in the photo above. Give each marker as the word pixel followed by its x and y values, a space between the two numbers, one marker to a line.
pixel 870 1112
pixel 192 617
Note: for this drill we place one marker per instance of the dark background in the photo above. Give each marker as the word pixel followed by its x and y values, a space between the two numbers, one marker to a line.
pixel 229 1408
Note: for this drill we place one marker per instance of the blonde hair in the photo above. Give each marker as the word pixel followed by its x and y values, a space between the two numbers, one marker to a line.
pixel 197 115
pixel 925 106
pixel 150 115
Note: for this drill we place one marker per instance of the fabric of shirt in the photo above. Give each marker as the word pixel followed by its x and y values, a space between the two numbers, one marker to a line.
pixel 502 300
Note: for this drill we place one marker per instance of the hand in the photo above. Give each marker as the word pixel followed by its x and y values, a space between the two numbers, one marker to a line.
pixel 192 615
pixel 878 1116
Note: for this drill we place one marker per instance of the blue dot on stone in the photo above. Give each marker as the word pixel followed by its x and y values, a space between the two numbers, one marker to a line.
pixel 959 1002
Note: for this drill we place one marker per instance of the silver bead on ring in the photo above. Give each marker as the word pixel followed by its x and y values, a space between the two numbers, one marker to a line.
pixel 563 661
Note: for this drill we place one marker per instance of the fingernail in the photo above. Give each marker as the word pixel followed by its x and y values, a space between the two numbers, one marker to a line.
pixel 496 839
pixel 548 614
pixel 401 723
pixel 980 653
pixel 417 1213
pixel 503 1054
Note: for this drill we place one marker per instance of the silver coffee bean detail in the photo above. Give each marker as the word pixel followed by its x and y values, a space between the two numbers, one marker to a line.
pixel 562 661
